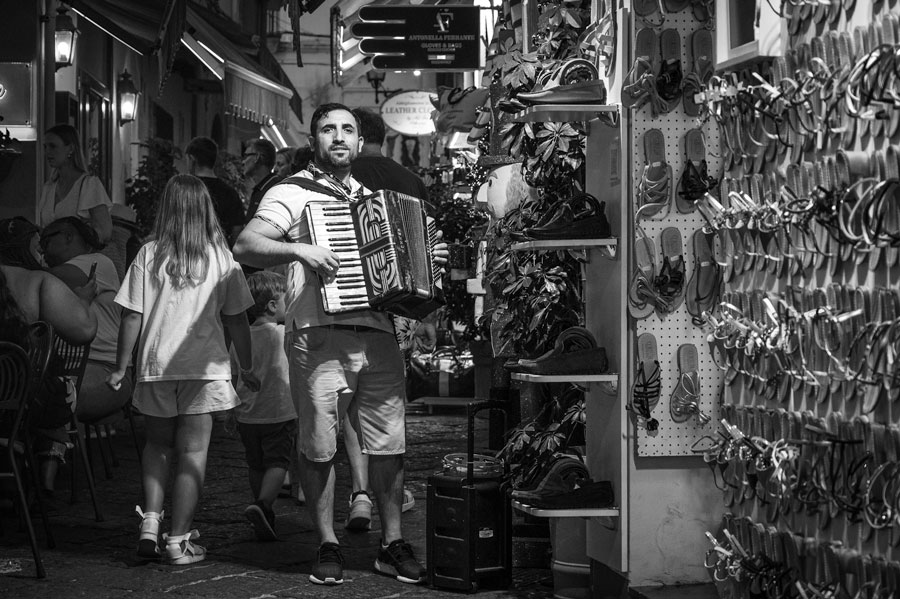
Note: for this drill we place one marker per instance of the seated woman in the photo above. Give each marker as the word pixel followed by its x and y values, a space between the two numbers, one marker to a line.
pixel 71 250
pixel 29 295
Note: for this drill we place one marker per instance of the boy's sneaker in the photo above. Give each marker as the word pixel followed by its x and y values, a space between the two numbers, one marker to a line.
pixel 360 516
pixel 329 566
pixel 263 521
pixel 397 560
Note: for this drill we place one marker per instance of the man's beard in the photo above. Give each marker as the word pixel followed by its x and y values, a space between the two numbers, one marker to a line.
pixel 328 159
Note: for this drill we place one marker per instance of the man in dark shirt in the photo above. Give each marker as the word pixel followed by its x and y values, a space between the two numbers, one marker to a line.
pixel 201 153
pixel 375 170
pixel 258 162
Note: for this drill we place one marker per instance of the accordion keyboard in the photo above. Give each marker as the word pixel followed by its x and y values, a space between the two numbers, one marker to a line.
pixel 331 226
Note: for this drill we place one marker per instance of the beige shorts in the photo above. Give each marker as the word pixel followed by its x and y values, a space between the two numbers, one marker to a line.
pixel 167 399
pixel 336 371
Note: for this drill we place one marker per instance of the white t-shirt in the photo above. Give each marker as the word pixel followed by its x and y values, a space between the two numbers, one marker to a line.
pixel 87 192
pixel 273 402
pixel 182 336
pixel 104 307
pixel 283 207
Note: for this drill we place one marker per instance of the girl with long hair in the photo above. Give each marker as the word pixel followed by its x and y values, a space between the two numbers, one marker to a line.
pixel 71 191
pixel 181 290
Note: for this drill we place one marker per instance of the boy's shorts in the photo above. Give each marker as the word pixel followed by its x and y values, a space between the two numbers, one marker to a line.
pixel 268 445
pixel 168 399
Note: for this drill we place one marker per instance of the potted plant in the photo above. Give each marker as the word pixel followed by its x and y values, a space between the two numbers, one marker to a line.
pixel 142 192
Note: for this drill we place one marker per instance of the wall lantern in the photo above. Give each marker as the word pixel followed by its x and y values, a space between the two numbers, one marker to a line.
pixel 128 98
pixel 65 36
pixel 376 80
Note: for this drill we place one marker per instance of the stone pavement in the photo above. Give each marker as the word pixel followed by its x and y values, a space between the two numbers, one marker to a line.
pixel 97 559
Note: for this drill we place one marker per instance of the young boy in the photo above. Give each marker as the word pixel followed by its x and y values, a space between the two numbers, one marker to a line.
pixel 267 419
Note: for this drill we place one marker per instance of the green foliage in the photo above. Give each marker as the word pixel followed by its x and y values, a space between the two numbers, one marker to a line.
pixel 230 169
pixel 143 191
pixel 557 428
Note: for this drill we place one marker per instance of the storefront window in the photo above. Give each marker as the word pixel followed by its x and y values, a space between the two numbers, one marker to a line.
pixel 95 126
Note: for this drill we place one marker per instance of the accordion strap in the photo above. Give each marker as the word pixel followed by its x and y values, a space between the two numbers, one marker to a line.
pixel 313 185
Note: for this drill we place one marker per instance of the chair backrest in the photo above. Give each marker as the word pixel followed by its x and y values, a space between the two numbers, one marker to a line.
pixel 72 359
pixel 40 348
pixel 15 384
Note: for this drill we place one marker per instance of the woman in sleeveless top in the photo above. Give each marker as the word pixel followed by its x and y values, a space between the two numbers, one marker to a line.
pixel 71 191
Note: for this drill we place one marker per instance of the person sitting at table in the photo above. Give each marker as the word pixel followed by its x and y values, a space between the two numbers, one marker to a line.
pixel 71 249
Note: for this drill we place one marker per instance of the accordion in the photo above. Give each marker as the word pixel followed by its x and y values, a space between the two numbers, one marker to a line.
pixel 384 242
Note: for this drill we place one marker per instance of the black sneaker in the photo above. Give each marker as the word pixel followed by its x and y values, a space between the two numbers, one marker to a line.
pixel 397 560
pixel 263 521
pixel 329 566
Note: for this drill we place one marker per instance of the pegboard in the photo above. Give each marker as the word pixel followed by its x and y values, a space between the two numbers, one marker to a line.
pixel 673 438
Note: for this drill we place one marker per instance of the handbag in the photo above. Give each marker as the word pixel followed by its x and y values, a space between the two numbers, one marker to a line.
pixel 445 372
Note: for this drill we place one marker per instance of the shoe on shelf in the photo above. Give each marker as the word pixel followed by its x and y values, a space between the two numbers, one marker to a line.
pixel 360 516
pixel 329 566
pixel 561 475
pixel 397 560
pixel 408 501
pixel 148 543
pixel 591 494
pixel 263 521
pixel 180 551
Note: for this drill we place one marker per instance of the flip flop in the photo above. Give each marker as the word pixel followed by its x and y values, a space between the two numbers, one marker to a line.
pixel 639 305
pixel 685 399
pixel 655 188
pixel 670 282
pixel 705 283
pixel 676 5
pixel 701 48
pixel 645 9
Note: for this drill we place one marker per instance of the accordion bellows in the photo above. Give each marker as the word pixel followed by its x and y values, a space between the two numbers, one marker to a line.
pixel 384 241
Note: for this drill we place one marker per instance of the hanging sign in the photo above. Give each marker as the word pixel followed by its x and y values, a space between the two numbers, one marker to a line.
pixel 436 38
pixel 409 113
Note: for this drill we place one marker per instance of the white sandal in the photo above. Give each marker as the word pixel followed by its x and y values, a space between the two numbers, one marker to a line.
pixel 148 544
pixel 180 551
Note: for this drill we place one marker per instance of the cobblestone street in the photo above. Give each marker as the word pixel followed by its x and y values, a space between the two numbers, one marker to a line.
pixel 97 559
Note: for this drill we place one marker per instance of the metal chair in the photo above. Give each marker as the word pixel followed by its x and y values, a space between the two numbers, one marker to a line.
pixel 73 361
pixel 15 389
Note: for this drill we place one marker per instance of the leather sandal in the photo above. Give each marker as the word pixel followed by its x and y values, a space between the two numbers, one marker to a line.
pixel 670 282
pixel 647 383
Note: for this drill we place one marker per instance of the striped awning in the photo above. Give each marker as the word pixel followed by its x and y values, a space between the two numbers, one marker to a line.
pixel 249 93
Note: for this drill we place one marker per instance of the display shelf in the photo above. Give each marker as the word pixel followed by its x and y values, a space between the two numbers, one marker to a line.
pixel 546 245
pixel 565 378
pixel 565 113
pixel 570 513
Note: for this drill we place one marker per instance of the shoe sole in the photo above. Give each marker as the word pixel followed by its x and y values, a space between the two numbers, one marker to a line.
pixel 389 570
pixel 186 560
pixel 328 581
pixel 360 523
pixel 148 549
pixel 264 532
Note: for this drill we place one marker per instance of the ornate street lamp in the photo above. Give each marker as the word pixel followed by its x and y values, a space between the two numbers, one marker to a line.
pixel 128 98
pixel 65 36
